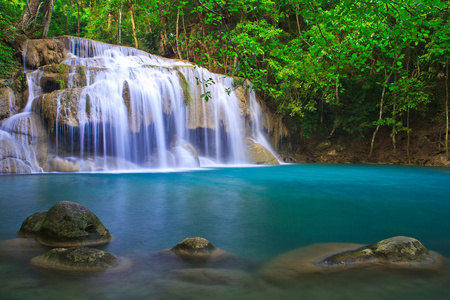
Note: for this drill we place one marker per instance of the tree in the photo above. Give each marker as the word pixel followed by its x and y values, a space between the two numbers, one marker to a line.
pixel 28 21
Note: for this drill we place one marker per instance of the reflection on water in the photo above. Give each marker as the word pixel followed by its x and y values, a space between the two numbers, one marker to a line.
pixel 256 214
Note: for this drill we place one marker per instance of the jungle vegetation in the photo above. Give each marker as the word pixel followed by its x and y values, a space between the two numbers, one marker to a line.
pixel 333 66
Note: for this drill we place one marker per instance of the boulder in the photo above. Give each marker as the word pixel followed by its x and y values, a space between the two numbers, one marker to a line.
pixel 194 248
pixel 31 226
pixel 259 155
pixel 398 250
pixel 58 164
pixel 300 264
pixel 69 224
pixel 44 52
pixel 76 259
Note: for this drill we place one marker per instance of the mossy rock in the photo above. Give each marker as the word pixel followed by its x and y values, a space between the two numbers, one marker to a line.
pixel 194 248
pixel 76 259
pixel 400 250
pixel 31 226
pixel 69 224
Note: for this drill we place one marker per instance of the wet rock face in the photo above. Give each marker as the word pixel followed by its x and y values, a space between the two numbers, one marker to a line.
pixel 31 226
pixel 194 247
pixel 7 102
pixel 77 259
pixel 397 250
pixel 14 166
pixel 44 52
pixel 69 224
pixel 259 155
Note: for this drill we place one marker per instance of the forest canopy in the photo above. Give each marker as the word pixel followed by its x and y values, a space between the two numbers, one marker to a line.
pixel 333 66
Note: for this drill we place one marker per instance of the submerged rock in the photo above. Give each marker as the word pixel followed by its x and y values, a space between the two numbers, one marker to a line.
pixel 194 248
pixel 400 250
pixel 397 252
pixel 69 224
pixel 31 226
pixel 76 259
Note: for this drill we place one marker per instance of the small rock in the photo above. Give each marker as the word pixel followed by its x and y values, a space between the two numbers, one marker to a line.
pixel 77 259
pixel 323 145
pixel 194 247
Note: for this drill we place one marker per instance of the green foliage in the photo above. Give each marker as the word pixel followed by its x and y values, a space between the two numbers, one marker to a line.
pixel 345 65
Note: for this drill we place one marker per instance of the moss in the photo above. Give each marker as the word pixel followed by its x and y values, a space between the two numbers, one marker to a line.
pixel 186 88
pixel 77 258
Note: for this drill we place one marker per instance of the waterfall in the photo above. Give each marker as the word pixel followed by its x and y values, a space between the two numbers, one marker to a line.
pixel 113 108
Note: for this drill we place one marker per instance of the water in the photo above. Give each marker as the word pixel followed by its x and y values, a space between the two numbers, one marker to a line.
pixel 117 108
pixel 256 214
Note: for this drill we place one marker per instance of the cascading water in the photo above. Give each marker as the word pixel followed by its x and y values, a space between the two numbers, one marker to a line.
pixel 131 109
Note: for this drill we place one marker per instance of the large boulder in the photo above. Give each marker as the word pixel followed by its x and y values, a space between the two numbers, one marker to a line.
pixel 259 155
pixel 76 259
pixel 44 52
pixel 69 224
pixel 31 226
pixel 400 250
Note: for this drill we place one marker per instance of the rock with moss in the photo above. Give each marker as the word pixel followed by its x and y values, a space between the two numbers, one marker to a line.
pixel 194 248
pixel 398 250
pixel 31 226
pixel 69 224
pixel 76 259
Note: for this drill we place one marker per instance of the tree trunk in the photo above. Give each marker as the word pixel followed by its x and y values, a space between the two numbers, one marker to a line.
pixel 383 93
pixel 78 8
pixel 409 139
pixel 27 23
pixel 133 25
pixel 176 36
pixel 446 109
pixel 119 33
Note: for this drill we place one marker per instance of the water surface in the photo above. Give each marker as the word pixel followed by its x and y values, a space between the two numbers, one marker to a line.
pixel 254 213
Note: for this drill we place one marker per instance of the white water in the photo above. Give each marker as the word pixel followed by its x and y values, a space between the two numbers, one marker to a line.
pixel 151 127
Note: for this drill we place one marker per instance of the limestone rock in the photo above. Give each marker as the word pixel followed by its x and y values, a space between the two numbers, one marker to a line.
pixel 29 129
pixel 44 52
pixel 398 250
pixel 14 166
pixel 62 106
pixel 185 154
pixel 10 148
pixel 194 248
pixel 31 226
pixel 7 102
pixel 58 164
pixel 69 224
pixel 259 155
pixel 77 259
